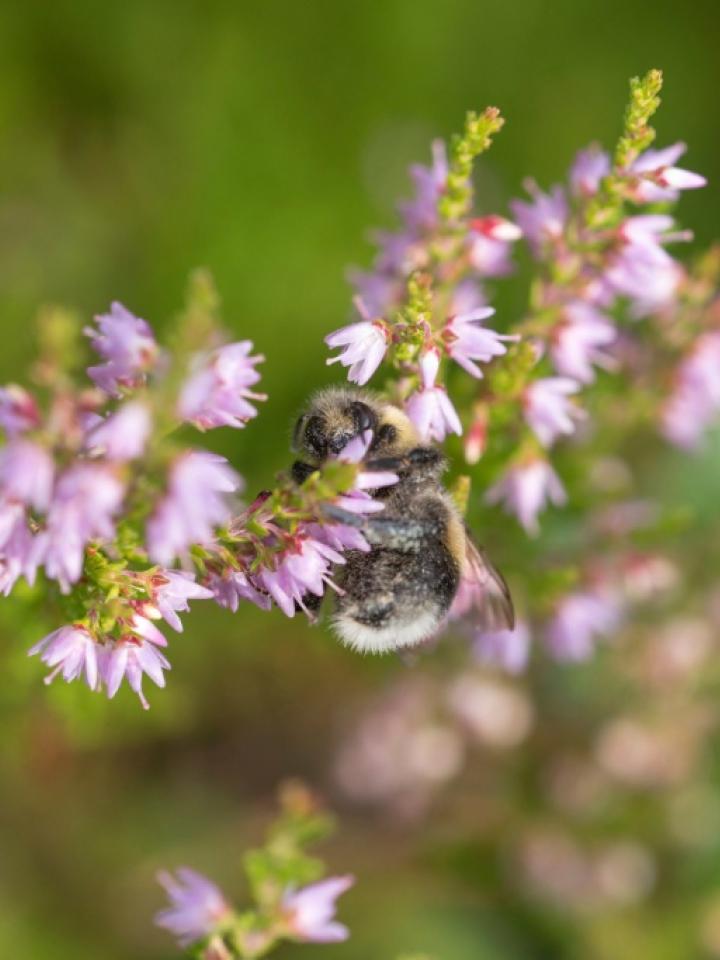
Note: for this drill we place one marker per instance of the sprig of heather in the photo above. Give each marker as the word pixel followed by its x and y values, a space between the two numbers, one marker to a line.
pixel 127 523
pixel 292 900
pixel 601 265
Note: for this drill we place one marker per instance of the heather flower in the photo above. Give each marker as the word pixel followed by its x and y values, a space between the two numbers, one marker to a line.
pixel 123 435
pixel 489 245
pixel 543 220
pixel 421 212
pixel 171 591
pixel 310 911
pixel 26 473
pixel 217 393
pixel 304 567
pixel 379 291
pixel 86 498
pixel 196 502
pixel 364 343
pixel 430 408
pixel 132 657
pixel 659 180
pixel 507 649
pixel 197 906
pixel 590 167
pixel 70 651
pixel 18 410
pixel 578 620
pixel 525 489
pixel 549 410
pixel 128 346
pixel 468 341
pixel 640 268
pixel 229 587
pixel 695 401
pixel 578 339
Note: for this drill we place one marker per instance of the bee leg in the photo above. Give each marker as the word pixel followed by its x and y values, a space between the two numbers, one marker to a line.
pixel 427 457
pixel 394 533
pixel 301 471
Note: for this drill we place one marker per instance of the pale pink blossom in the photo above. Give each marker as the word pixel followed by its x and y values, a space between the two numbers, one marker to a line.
pixel 310 911
pixel 489 245
pixel 659 180
pixel 26 473
pixel 507 649
pixel 197 906
pixel 695 401
pixel 590 167
pixel 85 500
pixel 549 410
pixel 430 408
pixel 18 410
pixel 525 490
pixel 469 342
pixel 578 341
pixel 364 345
pixel 123 435
pixel 543 220
pixel 70 651
pixel 217 393
pixel 196 502
pixel 421 212
pixel 128 346
pixel 578 620
pixel 229 587
pixel 304 567
pixel 171 591
pixel 641 269
pixel 131 658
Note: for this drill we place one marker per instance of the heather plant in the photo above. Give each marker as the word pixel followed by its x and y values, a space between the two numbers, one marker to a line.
pixel 118 518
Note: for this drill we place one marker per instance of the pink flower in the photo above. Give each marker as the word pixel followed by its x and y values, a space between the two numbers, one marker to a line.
pixel 590 167
pixel 578 340
pixel 86 498
pixel 196 502
pixel 231 586
pixel 525 489
pixel 123 435
pixel 468 341
pixel 507 649
pixel 217 393
pixel 543 220
pixel 489 245
pixel 127 344
pixel 132 657
pixel 305 567
pixel 70 651
pixel 421 212
pixel 641 269
pixel 659 179
pixel 578 619
pixel 197 906
pixel 171 591
pixel 695 401
pixel 364 343
pixel 310 911
pixel 430 408
pixel 26 473
pixel 18 410
pixel 549 411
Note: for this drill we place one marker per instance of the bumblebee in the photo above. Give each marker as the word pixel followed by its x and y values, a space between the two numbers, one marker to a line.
pixel 423 567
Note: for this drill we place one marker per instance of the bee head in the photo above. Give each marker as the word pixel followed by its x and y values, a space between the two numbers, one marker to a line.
pixel 334 418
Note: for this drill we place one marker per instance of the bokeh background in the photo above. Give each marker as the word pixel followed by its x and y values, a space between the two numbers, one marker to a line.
pixel 141 139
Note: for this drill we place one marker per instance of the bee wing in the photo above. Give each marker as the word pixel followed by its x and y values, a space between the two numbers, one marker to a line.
pixel 483 593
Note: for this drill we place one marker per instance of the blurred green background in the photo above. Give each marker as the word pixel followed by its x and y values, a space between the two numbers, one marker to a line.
pixel 139 140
